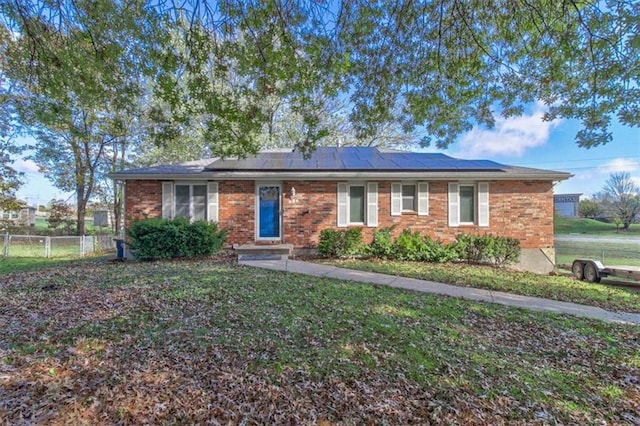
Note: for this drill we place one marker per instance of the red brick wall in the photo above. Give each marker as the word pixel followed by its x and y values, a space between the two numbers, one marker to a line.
pixel 143 198
pixel 236 210
pixel 314 209
pixel 522 210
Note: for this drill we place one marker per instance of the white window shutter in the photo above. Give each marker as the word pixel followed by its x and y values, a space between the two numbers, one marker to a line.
pixel 454 203
pixel 423 198
pixel 396 199
pixel 167 200
pixel 483 203
pixel 372 204
pixel 343 212
pixel 212 201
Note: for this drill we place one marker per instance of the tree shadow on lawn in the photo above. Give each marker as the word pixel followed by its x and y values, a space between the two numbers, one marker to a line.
pixel 191 342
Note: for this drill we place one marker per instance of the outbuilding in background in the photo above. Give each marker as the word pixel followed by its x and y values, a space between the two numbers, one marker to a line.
pixel 567 205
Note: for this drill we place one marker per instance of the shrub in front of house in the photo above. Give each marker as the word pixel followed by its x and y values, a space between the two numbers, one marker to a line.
pixel 498 251
pixel 341 243
pixel 473 249
pixel 151 239
pixel 505 251
pixel 382 245
pixel 412 246
pixel 439 252
pixel 415 247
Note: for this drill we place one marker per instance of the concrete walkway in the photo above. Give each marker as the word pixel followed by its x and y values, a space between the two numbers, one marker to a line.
pixel 508 299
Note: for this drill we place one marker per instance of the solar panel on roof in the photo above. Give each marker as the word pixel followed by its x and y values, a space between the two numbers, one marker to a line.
pixel 353 158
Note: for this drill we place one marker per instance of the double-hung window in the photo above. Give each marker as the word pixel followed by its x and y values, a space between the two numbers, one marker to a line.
pixel 193 200
pixel 409 197
pixel 468 203
pixel 357 203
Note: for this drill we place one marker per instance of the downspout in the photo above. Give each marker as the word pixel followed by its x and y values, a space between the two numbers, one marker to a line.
pixel 123 225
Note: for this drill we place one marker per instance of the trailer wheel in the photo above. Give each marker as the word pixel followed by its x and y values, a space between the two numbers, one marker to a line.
pixel 591 273
pixel 577 269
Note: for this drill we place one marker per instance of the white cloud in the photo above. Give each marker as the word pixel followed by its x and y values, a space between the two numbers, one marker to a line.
pixel 510 137
pixel 583 176
pixel 619 165
pixel 26 166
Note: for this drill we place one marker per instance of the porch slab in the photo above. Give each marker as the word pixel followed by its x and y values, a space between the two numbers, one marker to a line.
pixel 281 251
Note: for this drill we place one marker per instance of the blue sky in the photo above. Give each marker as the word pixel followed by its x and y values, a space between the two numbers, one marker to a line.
pixel 522 141
pixel 530 142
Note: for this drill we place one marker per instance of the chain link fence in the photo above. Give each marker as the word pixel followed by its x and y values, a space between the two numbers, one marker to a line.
pixel 609 253
pixel 45 246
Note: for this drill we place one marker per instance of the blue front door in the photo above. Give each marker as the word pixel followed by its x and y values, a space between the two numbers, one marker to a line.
pixel 269 212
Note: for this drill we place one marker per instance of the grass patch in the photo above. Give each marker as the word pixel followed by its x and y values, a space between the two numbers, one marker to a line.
pixel 564 226
pixel 10 265
pixel 524 283
pixel 192 342
pixel 609 253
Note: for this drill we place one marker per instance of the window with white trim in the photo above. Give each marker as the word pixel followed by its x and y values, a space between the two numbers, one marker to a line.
pixel 193 200
pixel 467 194
pixel 357 204
pixel 409 197
pixel 469 203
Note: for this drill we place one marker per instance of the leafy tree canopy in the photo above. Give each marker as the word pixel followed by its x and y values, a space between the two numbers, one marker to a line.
pixel 10 179
pixel 439 66
pixel 590 209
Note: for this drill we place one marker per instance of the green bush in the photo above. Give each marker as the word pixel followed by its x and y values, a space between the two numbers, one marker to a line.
pixel 439 252
pixel 414 247
pixel 382 245
pixel 472 248
pixel 410 246
pixel 477 249
pixel 342 243
pixel 152 239
pixel 505 251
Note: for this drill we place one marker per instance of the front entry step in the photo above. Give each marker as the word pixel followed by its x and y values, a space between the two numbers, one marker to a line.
pixel 264 252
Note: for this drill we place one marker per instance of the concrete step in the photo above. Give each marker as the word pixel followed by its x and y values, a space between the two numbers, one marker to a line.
pixel 264 252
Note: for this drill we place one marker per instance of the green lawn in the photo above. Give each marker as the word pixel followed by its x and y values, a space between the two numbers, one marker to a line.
pixel 9 265
pixel 609 253
pixel 41 223
pixel 196 342
pixel 37 249
pixel 564 226
pixel 551 287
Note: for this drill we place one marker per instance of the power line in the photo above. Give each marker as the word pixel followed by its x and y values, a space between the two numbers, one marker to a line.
pixel 602 168
pixel 583 160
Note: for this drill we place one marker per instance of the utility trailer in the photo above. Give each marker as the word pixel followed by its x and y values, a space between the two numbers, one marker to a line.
pixel 594 270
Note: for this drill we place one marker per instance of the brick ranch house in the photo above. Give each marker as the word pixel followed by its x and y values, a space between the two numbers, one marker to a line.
pixel 279 197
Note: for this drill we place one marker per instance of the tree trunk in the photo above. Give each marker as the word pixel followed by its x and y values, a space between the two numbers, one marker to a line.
pixel 80 219
pixel 81 204
pixel 117 208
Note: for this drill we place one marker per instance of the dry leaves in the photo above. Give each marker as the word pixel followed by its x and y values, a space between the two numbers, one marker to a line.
pixel 200 342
